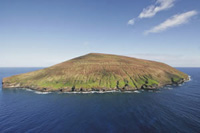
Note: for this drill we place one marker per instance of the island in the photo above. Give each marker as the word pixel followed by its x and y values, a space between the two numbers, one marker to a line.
pixel 98 72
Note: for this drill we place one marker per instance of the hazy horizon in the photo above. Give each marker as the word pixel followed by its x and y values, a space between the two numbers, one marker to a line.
pixel 45 33
pixel 140 57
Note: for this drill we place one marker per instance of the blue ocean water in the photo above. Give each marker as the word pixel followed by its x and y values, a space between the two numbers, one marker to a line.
pixel 171 109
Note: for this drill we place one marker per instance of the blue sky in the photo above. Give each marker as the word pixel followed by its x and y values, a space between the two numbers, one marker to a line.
pixel 35 33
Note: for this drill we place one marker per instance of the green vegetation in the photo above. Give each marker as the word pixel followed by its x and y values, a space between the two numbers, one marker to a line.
pixel 175 79
pixel 152 82
pixel 98 72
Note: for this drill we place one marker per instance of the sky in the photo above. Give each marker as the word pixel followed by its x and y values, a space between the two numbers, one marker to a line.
pixel 41 33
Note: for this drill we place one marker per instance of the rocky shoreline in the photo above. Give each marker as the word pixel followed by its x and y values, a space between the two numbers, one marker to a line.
pixel 73 89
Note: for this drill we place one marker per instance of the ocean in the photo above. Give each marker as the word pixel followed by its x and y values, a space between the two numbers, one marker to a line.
pixel 167 110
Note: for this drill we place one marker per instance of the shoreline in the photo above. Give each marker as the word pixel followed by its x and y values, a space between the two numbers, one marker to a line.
pixel 101 91
pixel 169 87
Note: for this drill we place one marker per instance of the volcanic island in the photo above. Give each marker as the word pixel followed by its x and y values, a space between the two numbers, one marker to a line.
pixel 99 72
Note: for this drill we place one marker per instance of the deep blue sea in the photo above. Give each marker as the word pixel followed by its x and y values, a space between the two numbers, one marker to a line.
pixel 169 110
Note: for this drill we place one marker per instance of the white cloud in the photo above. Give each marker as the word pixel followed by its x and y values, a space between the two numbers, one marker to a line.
pixel 174 21
pixel 131 22
pixel 151 10
pixel 160 5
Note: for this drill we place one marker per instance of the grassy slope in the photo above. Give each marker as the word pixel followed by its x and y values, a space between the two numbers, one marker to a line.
pixel 101 71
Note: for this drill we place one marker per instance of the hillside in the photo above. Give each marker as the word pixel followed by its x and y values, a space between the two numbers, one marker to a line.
pixel 100 72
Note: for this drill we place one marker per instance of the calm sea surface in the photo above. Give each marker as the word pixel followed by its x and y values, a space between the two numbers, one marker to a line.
pixel 169 110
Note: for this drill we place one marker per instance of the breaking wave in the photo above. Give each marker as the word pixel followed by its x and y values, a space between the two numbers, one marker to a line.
pixel 38 92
